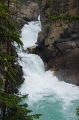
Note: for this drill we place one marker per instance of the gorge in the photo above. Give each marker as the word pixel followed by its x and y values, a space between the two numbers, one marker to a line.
pixel 55 99
pixel 46 67
pixel 57 45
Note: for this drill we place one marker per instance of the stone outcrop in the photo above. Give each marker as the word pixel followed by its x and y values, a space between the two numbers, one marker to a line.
pixel 32 49
pixel 58 42
pixel 24 12
pixel 30 10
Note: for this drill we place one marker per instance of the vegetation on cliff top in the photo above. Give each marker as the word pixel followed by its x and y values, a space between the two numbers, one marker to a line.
pixel 59 10
pixel 67 17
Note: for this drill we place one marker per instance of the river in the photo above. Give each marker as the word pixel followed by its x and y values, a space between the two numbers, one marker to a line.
pixel 55 99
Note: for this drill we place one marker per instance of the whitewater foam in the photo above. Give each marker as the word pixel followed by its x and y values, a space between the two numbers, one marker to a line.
pixel 42 86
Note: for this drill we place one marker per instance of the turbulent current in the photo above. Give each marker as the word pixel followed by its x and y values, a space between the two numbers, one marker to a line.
pixel 54 99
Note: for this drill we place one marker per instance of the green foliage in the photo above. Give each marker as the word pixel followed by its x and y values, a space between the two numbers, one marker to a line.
pixel 58 11
pixel 16 111
pixel 9 98
pixel 66 17
pixel 7 27
pixel 56 7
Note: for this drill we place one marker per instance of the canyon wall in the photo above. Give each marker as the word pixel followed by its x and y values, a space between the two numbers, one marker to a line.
pixel 58 42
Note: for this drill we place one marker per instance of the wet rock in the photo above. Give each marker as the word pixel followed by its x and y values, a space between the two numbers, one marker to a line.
pixel 31 49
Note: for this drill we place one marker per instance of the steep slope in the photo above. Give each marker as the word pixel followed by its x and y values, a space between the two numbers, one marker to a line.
pixel 58 42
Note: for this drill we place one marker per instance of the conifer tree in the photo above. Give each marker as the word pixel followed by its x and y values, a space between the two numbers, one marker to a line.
pixel 10 106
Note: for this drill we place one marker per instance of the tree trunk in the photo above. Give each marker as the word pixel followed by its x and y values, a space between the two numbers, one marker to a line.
pixel 8 2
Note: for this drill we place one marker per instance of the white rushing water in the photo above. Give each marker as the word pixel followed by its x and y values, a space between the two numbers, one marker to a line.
pixel 55 99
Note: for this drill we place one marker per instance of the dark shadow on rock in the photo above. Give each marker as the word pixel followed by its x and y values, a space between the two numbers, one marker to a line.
pixel 27 19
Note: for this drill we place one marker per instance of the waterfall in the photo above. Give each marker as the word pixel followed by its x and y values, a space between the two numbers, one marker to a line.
pixel 55 99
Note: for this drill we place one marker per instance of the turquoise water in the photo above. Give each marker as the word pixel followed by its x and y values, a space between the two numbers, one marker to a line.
pixel 54 99
pixel 52 107
pixel 55 110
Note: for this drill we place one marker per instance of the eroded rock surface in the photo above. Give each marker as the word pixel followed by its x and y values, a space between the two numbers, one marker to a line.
pixel 30 10
pixel 58 42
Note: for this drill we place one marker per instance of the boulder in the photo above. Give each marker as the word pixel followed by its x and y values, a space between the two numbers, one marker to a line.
pixel 31 49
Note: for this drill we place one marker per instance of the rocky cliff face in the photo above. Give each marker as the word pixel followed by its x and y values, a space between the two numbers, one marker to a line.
pixel 58 42
pixel 24 11
pixel 30 10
